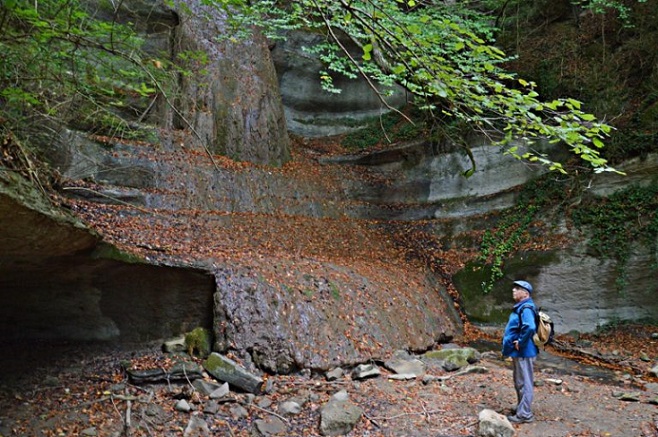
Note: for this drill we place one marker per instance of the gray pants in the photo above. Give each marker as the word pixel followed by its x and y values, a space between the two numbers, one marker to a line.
pixel 524 385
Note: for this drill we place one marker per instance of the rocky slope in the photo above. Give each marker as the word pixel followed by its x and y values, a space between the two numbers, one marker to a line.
pixel 169 235
pixel 297 255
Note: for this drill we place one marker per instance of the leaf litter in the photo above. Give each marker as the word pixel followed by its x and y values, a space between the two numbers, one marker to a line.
pixel 78 391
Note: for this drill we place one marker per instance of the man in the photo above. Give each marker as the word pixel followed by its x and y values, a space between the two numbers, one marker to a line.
pixel 518 344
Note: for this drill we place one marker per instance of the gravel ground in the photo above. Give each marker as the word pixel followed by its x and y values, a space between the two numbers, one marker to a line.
pixel 69 391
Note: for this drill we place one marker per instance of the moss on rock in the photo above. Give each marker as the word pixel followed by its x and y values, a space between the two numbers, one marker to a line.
pixel 459 357
pixel 198 342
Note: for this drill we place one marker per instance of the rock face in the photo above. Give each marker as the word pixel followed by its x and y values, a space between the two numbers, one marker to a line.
pixel 286 330
pixel 580 293
pixel 81 288
pixel 59 280
pixel 576 287
pixel 422 184
pixel 235 106
pixel 430 184
pixel 311 111
pixel 56 278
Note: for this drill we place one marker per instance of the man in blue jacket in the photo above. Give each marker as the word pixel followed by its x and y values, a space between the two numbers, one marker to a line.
pixel 518 344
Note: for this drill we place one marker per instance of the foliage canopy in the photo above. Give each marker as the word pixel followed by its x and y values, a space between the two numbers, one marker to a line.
pixel 443 54
pixel 59 58
pixel 62 62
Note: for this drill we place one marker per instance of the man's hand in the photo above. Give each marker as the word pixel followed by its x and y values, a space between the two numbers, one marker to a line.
pixel 516 344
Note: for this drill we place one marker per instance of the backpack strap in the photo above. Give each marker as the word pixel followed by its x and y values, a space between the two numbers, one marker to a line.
pixel 520 311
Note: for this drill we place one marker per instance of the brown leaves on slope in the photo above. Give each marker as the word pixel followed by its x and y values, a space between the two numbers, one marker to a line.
pixel 274 244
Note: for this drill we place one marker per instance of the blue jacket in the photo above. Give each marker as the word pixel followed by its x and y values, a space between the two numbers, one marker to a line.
pixel 521 330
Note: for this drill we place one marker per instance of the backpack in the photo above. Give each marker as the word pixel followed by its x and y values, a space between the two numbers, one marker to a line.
pixel 545 327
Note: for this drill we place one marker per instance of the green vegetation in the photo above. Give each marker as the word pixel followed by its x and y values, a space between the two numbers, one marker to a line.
pixel 513 227
pixel 198 342
pixel 62 64
pixel 486 308
pixel 632 142
pixel 445 58
pixel 601 52
pixel 389 128
pixel 612 225
pixel 620 325
pixel 622 10
pixel 335 291
pixel 62 61
pixel 615 223
pixel 107 251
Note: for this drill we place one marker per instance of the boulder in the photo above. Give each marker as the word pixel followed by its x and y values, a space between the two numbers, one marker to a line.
pixel 454 359
pixel 272 426
pixel 227 370
pixel 197 427
pixel 206 387
pixel 493 424
pixel 403 363
pixel 334 374
pixel 363 371
pixel 339 416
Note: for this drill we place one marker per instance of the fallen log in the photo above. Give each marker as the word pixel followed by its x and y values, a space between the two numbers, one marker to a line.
pixel 181 371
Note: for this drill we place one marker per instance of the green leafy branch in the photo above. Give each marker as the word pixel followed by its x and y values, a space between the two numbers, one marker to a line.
pixel 622 9
pixel 497 245
pixel 60 62
pixel 442 55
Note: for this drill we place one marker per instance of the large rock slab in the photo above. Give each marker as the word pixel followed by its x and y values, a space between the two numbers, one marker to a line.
pixel 227 370
pixel 577 289
pixel 404 363
pixel 233 102
pixel 287 329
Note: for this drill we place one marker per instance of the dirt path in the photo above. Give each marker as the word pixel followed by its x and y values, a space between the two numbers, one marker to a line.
pixel 577 406
pixel 74 393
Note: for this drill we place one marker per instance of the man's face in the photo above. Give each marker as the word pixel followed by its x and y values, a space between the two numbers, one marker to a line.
pixel 519 293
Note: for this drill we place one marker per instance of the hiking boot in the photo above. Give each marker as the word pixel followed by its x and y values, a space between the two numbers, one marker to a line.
pixel 517 419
